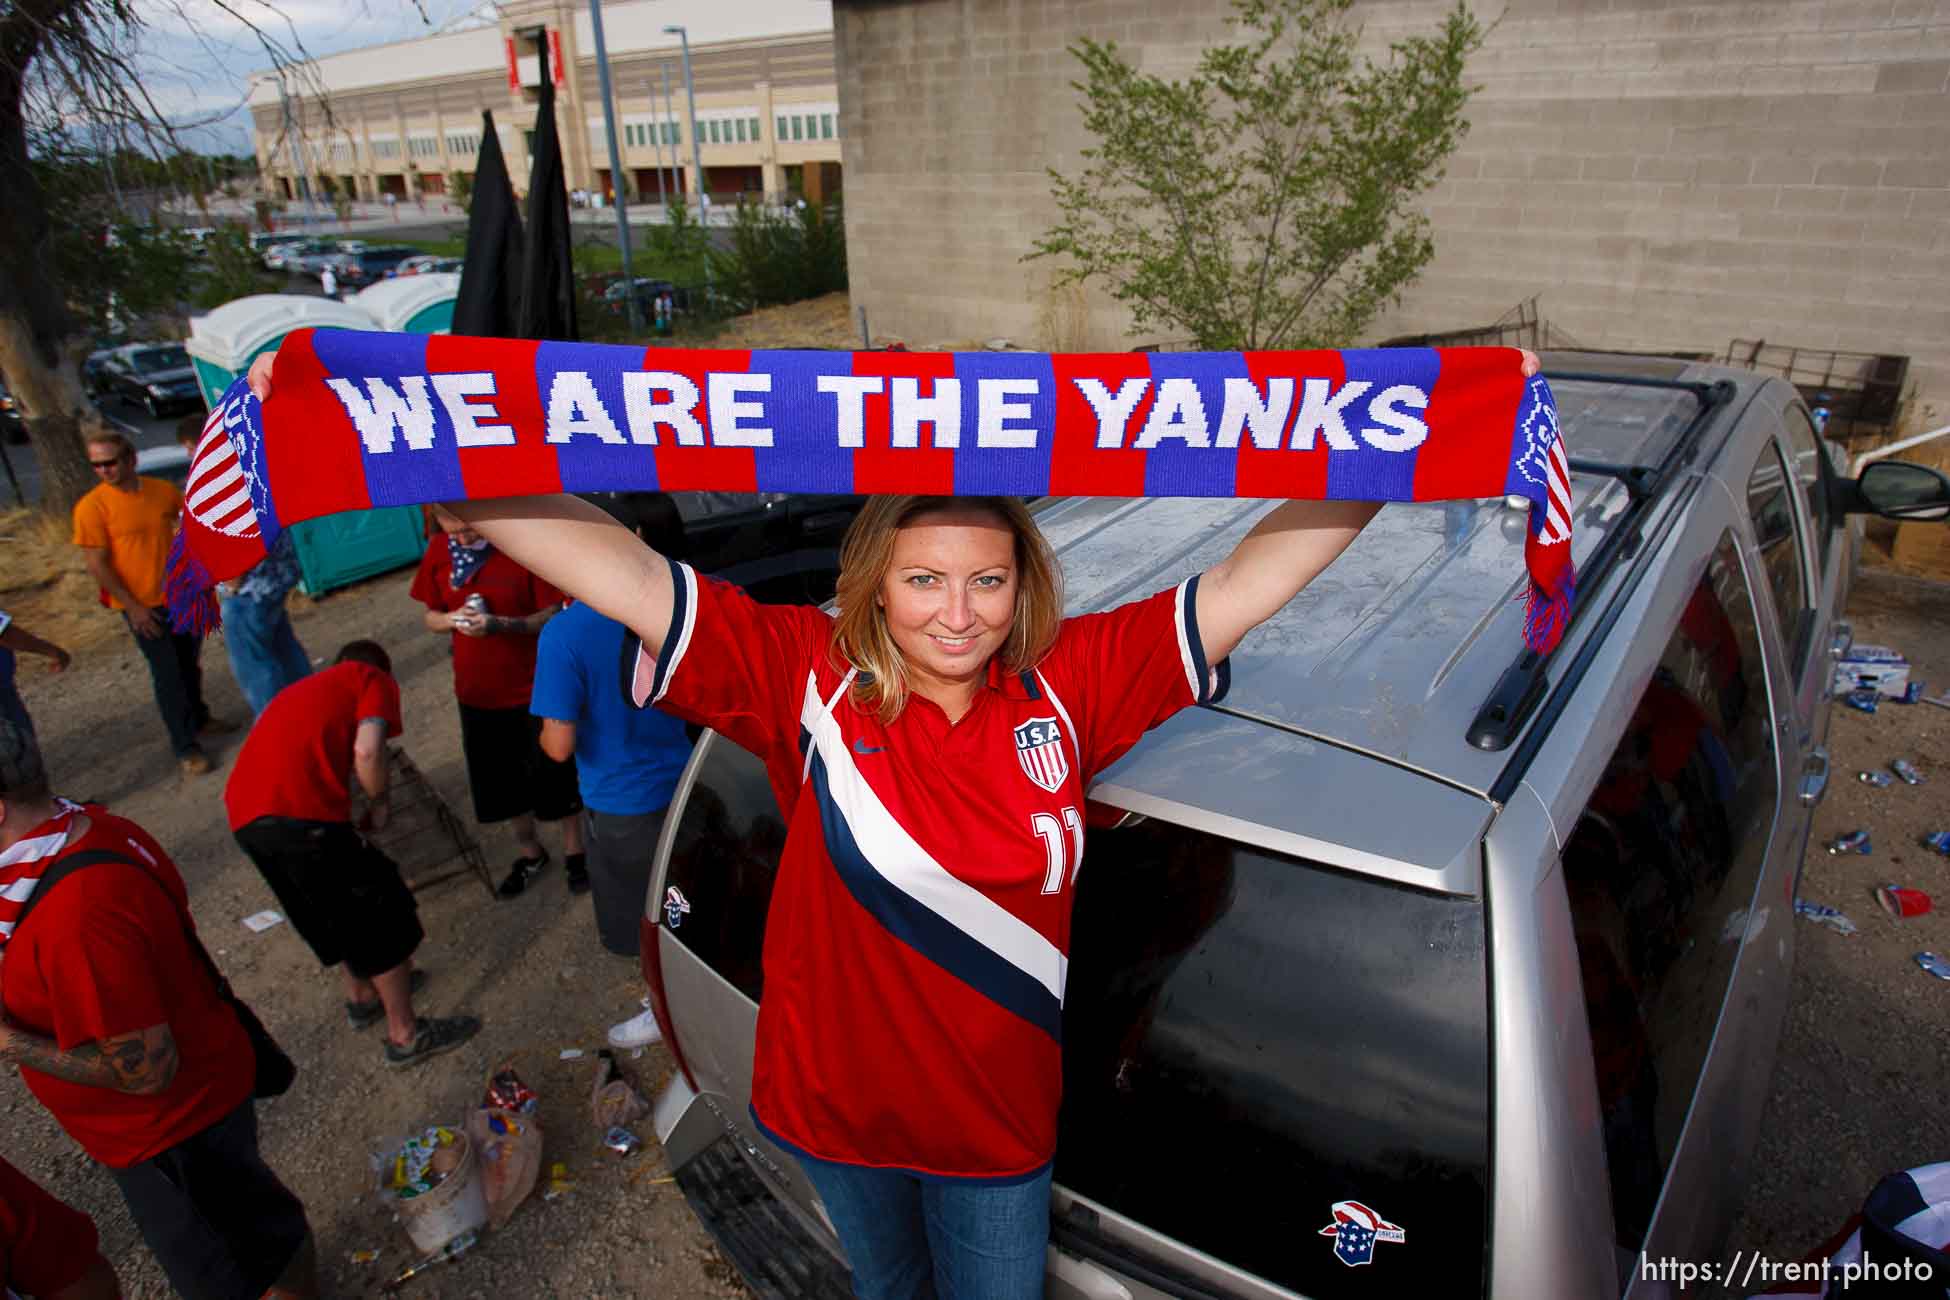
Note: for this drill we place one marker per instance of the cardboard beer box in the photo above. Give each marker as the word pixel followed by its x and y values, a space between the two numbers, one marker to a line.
pixel 1874 666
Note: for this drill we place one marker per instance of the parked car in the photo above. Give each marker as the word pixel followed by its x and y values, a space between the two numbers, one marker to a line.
pixel 169 462
pixel 291 256
pixel 157 377
pixel 368 266
pixel 13 426
pixel 424 264
pixel 264 241
pixel 1321 968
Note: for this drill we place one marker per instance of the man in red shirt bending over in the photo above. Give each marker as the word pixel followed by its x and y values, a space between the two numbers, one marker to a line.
pixel 116 1022
pixel 494 643
pixel 290 806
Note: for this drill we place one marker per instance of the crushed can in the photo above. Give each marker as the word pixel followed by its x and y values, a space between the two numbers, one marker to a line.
pixel 1905 769
pixel 1939 841
pixel 506 1091
pixel 1934 964
pixel 1863 701
pixel 1880 780
pixel 1822 914
pixel 1853 842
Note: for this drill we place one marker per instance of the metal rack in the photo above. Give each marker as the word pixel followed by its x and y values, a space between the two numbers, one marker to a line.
pixel 423 836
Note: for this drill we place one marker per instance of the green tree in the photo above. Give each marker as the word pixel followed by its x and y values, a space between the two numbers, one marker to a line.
pixel 460 188
pixel 231 270
pixel 1267 200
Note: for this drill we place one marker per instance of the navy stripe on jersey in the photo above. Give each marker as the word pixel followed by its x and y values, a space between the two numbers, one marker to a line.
pixel 929 933
pixel 647 690
pixel 1208 686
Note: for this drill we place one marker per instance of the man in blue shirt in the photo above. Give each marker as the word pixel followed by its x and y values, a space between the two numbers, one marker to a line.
pixel 12 638
pixel 627 764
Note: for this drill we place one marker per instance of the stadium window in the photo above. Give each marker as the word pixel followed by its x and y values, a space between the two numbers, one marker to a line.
pixel 798 127
pixel 826 126
pixel 712 128
pixel 754 130
pixel 738 129
pixel 781 128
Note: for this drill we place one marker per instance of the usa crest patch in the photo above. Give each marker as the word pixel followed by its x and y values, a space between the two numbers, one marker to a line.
pixel 1356 1229
pixel 1039 748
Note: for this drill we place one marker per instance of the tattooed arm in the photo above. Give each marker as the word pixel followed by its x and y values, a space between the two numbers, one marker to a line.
pixel 142 1063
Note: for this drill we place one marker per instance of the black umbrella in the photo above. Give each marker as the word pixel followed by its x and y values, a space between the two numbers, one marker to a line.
pixel 548 283
pixel 489 302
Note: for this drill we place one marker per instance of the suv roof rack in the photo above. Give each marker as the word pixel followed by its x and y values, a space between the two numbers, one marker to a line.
pixel 1508 706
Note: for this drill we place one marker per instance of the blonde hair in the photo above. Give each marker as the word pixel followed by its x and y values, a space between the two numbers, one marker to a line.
pixel 860 634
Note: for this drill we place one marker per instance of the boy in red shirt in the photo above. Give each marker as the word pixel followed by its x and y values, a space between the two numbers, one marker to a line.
pixel 494 641
pixel 289 800
pixel 119 1028
pixel 48 1249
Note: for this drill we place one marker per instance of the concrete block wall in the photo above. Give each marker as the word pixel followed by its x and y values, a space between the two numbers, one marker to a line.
pixel 1662 174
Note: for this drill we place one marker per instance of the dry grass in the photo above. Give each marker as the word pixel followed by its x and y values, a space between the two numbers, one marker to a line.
pixel 44 584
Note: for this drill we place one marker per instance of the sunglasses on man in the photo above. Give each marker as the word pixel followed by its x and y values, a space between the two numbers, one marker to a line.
pixel 110 463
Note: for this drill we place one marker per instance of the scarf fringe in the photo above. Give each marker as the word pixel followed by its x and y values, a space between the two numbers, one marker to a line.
pixel 1545 615
pixel 190 591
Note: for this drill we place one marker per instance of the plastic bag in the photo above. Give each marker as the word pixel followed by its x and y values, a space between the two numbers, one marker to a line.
pixel 510 1147
pixel 614 1101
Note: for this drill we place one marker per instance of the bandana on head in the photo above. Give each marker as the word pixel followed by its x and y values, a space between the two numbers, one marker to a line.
pixel 358 420
pixel 466 561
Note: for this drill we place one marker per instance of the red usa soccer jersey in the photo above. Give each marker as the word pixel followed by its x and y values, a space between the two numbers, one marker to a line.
pixel 918 938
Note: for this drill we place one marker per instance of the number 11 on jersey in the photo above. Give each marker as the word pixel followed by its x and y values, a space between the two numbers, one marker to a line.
pixel 1050 831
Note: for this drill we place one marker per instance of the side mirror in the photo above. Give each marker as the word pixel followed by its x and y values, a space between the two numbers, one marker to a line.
pixel 1897 489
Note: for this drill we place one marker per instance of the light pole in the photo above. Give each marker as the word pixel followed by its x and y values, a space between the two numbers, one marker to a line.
pixel 691 96
pixel 697 154
pixel 621 201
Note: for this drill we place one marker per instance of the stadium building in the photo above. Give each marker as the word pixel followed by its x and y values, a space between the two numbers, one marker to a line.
pixel 405 119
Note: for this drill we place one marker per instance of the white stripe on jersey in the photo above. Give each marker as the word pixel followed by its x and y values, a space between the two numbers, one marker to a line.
pixel 903 863
pixel 1184 644
pixel 643 681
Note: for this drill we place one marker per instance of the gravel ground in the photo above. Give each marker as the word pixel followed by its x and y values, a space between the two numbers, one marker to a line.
pixel 1855 1093
pixel 531 968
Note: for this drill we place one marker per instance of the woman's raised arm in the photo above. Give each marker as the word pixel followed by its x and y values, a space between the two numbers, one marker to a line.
pixel 566 542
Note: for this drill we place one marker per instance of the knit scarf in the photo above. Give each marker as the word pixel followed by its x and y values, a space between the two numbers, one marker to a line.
pixel 22 863
pixel 358 420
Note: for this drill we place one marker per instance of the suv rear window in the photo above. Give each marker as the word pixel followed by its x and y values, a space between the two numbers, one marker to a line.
pixel 1248 1039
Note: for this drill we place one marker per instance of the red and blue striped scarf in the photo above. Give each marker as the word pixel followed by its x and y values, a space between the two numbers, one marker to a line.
pixel 358 420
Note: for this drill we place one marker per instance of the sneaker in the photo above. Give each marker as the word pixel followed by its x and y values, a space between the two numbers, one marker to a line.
pixel 639 1030
pixel 364 1015
pixel 433 1038
pixel 195 763
pixel 216 726
pixel 523 871
pixel 576 872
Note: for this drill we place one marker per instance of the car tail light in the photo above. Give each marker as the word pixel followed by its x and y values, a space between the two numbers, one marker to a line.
pixel 650 957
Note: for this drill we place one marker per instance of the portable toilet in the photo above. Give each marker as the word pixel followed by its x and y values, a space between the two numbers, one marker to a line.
pixel 412 304
pixel 338 549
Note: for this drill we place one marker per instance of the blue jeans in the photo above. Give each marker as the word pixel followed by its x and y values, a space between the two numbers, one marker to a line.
pixel 176 675
pixel 264 651
pixel 956 1238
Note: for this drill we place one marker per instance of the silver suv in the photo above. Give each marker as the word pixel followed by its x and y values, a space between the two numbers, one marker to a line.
pixel 1422 965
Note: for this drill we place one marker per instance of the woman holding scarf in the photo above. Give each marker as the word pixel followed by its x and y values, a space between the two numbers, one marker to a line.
pixel 930 748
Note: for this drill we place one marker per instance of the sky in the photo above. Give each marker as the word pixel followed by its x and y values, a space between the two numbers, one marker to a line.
pixel 198 72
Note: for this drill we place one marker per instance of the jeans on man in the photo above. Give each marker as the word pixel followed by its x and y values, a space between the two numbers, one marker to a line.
pixel 178 681
pixel 264 651
pixel 907 1236
pixel 620 847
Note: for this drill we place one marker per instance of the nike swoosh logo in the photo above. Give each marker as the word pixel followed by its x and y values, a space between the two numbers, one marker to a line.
pixel 862 747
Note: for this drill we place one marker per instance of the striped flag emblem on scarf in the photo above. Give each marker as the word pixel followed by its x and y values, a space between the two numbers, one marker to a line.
pixel 1039 748
pixel 216 493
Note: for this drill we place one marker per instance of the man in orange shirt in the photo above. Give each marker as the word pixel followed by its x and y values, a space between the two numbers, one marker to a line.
pixel 124 527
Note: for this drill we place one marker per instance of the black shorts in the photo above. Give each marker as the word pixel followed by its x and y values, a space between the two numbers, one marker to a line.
pixel 343 896
pixel 507 772
pixel 221 1224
